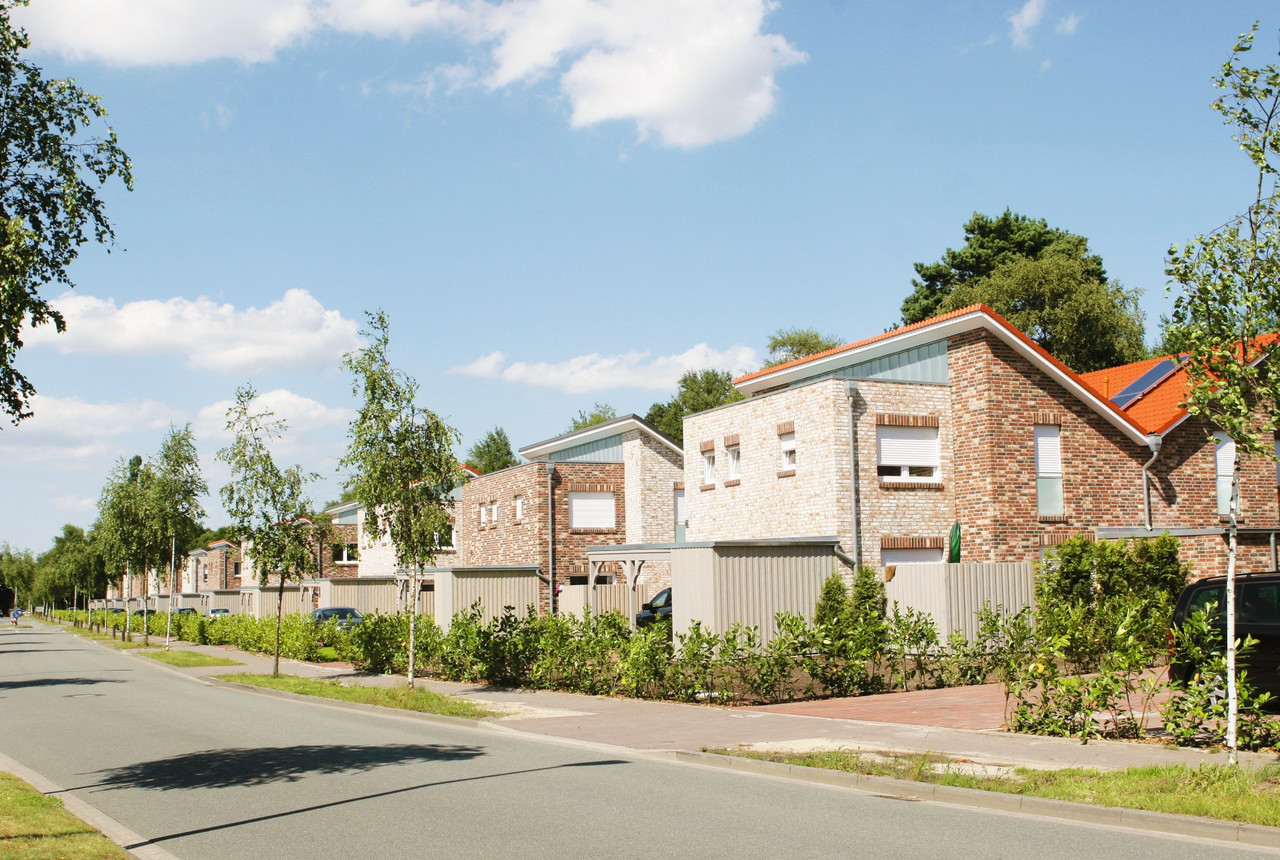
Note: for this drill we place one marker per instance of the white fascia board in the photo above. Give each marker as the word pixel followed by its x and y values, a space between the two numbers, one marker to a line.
pixel 885 346
pixel 940 331
pixel 616 427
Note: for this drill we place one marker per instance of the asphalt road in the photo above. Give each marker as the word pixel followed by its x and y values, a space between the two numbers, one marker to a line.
pixel 212 772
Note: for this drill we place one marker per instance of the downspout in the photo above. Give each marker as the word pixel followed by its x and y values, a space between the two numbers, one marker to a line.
pixel 551 537
pixel 851 388
pixel 1154 442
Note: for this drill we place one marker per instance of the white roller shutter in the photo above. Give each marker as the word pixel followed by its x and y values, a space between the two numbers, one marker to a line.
pixel 1224 456
pixel 591 511
pixel 1048 450
pixel 910 556
pixel 908 446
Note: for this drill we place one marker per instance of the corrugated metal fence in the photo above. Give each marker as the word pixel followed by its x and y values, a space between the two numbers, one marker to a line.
pixel 724 584
pixel 954 593
pixel 456 589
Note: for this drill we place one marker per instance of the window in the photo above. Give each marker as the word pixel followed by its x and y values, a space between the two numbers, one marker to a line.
pixel 709 467
pixel 910 556
pixel 493 512
pixel 907 453
pixel 591 511
pixel 787 447
pixel 518 504
pixel 735 462
pixel 342 553
pixel 484 513
pixel 1049 470
pixel 1224 456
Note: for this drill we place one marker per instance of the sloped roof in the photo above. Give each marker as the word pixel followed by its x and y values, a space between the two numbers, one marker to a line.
pixel 621 424
pixel 938 328
pixel 1159 408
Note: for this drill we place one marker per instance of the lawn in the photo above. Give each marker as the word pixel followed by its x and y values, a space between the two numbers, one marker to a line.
pixel 38 827
pixel 418 699
pixel 189 659
pixel 1240 794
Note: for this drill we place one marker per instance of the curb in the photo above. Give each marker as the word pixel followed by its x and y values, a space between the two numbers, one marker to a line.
pixel 1165 823
pixel 91 815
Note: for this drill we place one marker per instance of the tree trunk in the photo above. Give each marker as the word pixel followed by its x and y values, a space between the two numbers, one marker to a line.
pixel 275 667
pixel 168 622
pixel 1233 693
pixel 128 595
pixel 411 605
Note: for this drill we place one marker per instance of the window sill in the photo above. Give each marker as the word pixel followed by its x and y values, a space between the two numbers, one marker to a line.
pixel 706 487
pixel 787 473
pixel 574 531
pixel 732 482
pixel 1055 518
pixel 911 485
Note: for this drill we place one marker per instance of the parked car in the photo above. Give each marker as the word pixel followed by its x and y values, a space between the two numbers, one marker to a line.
pixel 219 612
pixel 115 610
pixel 657 608
pixel 345 616
pixel 1257 615
pixel 140 612
pixel 184 610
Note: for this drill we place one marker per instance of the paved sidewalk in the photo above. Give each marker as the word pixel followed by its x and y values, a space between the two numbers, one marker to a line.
pixel 886 723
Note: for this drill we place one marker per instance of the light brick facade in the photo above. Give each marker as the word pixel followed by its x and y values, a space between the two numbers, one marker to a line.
pixel 985 415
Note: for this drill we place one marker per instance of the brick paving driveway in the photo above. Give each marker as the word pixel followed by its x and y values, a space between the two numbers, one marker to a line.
pixel 979 707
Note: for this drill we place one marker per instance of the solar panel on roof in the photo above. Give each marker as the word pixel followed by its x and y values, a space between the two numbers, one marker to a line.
pixel 1156 374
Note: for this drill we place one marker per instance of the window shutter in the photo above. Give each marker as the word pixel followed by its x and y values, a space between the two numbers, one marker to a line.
pixel 908 446
pixel 910 556
pixel 591 511
pixel 1048 449
pixel 1224 454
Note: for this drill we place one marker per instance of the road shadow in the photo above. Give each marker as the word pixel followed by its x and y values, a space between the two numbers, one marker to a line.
pixel 364 798
pixel 54 682
pixel 39 650
pixel 250 766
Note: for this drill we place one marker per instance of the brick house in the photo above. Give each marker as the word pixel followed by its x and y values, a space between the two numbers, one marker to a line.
pixel 376 554
pixel 216 567
pixel 889 442
pixel 613 483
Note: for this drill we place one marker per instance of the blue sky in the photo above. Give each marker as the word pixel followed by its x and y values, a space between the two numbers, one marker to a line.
pixel 559 202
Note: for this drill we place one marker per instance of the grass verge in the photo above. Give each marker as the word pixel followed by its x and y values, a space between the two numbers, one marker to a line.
pixel 1242 794
pixel 107 638
pixel 327 654
pixel 418 699
pixel 38 827
pixel 189 659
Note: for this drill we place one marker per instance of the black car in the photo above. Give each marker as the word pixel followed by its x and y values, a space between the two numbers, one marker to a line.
pixel 345 616
pixel 658 608
pixel 1257 615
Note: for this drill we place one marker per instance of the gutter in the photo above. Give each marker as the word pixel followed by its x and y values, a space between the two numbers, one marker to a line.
pixel 1154 441
pixel 855 562
pixel 551 538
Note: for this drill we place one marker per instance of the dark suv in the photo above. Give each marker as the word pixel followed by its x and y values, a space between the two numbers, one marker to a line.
pixel 656 609
pixel 345 616
pixel 1257 615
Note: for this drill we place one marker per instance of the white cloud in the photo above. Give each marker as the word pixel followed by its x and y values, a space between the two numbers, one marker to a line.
pixel 1068 25
pixel 587 373
pixel 1022 22
pixel 301 414
pixel 294 332
pixel 689 73
pixel 66 434
pixel 74 504
pixel 167 32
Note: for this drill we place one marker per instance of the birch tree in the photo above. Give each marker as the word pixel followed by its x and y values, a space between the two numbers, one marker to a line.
pixel 178 487
pixel 127 527
pixel 270 511
pixel 400 458
pixel 1228 305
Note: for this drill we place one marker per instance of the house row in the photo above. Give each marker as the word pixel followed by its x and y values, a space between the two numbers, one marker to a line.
pixel 954 439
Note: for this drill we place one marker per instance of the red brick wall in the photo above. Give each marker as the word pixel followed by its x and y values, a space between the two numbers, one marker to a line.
pixel 998 397
pixel 524 541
